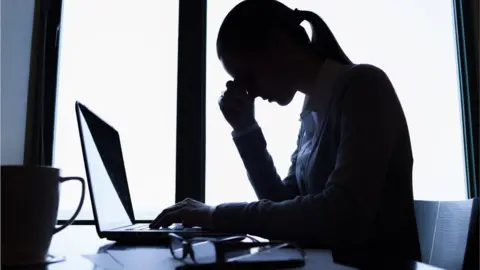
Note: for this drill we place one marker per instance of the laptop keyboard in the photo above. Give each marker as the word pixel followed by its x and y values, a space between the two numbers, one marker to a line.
pixel 143 228
pixel 137 227
pixel 146 227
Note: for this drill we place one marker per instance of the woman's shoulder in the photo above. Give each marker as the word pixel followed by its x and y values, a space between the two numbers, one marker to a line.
pixel 368 86
pixel 366 73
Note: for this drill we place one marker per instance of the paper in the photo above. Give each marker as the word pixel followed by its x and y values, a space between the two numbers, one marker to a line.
pixel 149 258
pixel 104 261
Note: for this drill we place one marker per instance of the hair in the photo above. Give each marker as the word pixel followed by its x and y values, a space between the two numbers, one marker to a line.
pixel 252 26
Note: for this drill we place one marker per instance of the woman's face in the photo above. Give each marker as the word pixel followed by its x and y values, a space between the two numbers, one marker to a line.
pixel 266 75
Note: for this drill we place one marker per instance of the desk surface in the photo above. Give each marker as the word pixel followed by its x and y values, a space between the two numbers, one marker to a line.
pixel 77 241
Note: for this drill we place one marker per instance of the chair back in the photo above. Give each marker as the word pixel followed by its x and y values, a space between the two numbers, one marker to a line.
pixel 448 233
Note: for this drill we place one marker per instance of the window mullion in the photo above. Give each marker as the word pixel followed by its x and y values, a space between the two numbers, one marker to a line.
pixel 190 165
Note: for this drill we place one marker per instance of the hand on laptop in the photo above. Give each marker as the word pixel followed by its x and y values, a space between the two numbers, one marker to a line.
pixel 188 212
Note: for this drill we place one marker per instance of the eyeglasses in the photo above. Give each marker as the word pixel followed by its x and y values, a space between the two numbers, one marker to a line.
pixel 203 250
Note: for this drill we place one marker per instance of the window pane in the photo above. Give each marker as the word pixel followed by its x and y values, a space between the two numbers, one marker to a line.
pixel 417 53
pixel 119 58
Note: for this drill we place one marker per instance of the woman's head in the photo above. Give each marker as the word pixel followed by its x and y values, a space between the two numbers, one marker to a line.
pixel 263 46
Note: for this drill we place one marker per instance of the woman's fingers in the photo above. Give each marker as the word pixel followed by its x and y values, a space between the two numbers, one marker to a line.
pixel 156 222
pixel 171 217
pixel 229 84
pixel 235 102
pixel 188 212
pixel 236 88
pixel 233 95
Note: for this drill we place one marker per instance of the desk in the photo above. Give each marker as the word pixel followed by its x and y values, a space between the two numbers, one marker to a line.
pixel 76 241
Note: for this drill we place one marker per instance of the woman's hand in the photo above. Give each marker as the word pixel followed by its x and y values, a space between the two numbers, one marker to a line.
pixel 237 106
pixel 188 212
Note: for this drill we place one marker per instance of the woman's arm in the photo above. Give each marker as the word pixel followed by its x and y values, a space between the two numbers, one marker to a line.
pixel 370 120
pixel 261 170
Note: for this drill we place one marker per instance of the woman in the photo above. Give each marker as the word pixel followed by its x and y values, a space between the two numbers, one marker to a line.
pixel 350 183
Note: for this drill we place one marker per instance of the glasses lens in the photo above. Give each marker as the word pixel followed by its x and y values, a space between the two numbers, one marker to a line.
pixel 176 248
pixel 203 251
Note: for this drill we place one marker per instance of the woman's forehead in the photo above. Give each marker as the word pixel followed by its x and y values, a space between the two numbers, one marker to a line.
pixel 236 65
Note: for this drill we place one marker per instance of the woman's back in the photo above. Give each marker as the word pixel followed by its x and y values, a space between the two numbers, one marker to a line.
pixel 351 172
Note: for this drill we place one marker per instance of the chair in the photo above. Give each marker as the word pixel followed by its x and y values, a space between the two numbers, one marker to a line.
pixel 448 233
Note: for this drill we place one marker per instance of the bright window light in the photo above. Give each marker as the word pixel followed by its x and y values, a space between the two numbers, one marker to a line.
pixel 119 58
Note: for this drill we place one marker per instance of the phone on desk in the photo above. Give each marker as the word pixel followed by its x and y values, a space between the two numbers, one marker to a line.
pixel 276 257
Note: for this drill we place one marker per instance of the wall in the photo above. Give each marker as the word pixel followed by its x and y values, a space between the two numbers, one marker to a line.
pixel 16 34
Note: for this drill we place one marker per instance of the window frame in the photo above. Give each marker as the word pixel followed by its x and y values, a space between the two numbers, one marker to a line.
pixel 191 93
pixel 464 20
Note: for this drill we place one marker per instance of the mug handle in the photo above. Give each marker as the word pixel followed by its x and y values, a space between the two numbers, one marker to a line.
pixel 70 221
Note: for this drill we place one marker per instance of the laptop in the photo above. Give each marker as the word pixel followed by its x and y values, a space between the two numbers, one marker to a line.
pixel 109 193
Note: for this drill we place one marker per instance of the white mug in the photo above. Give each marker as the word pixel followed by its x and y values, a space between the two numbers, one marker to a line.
pixel 30 197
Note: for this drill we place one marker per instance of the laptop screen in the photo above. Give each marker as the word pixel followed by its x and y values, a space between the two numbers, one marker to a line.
pixel 105 171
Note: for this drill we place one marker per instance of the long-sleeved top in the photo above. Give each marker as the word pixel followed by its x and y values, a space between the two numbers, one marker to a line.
pixel 350 183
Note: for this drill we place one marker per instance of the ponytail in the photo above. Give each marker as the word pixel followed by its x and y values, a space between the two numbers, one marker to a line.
pixel 323 40
pixel 248 27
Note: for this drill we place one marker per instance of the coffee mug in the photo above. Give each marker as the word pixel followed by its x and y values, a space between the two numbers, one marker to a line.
pixel 30 197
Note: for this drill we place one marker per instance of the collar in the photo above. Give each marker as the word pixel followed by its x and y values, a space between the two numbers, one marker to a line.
pixel 330 72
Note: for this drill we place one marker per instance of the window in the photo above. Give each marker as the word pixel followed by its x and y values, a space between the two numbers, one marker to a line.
pixel 123 67
pixel 412 41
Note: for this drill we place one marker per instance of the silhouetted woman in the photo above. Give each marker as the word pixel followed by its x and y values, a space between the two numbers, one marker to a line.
pixel 350 183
